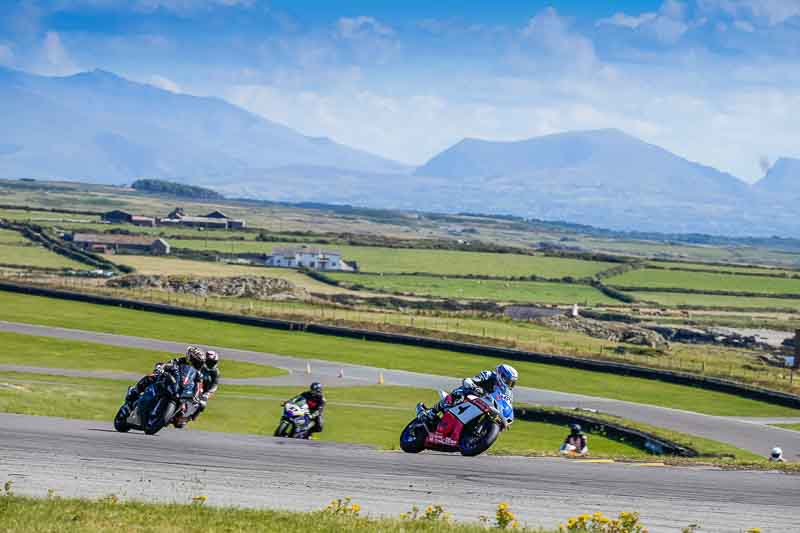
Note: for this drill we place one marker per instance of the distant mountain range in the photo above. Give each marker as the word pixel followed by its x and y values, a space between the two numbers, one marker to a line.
pixel 99 127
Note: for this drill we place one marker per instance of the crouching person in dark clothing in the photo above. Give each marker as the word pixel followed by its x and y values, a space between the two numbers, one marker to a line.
pixel 576 442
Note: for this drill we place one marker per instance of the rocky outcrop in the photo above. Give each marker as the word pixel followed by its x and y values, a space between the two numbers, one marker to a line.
pixel 612 332
pixel 238 287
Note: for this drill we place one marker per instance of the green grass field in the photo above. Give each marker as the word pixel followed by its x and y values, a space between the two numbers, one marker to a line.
pixel 704 281
pixel 794 427
pixel 47 352
pixel 497 290
pixel 57 515
pixel 673 299
pixel 373 415
pixel 722 268
pixel 61 313
pixel 17 250
pixel 398 260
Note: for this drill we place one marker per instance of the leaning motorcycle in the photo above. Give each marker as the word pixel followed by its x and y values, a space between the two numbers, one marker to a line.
pixel 296 421
pixel 169 399
pixel 470 426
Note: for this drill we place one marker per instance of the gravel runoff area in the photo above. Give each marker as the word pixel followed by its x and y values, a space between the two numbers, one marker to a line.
pixel 743 434
pixel 90 459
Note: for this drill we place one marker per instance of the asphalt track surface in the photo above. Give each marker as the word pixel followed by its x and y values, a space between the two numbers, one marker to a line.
pixel 747 434
pixel 89 459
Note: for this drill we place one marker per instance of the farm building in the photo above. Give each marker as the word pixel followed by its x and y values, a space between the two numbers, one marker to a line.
pixel 108 243
pixel 118 216
pixel 214 220
pixel 233 223
pixel 305 257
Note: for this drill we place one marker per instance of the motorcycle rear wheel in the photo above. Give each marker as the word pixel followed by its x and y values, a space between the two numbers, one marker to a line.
pixel 158 420
pixel 412 439
pixel 120 421
pixel 478 437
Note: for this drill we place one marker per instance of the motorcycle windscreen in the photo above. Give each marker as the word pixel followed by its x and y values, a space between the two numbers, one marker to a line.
pixel 186 381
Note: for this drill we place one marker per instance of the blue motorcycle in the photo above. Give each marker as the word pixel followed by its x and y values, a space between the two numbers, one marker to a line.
pixel 171 398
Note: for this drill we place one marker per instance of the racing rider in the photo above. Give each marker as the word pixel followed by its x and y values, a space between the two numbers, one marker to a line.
pixel 193 357
pixel 504 376
pixel 316 404
pixel 210 381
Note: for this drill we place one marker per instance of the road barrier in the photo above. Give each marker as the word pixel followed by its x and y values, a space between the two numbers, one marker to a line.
pixel 624 369
pixel 640 439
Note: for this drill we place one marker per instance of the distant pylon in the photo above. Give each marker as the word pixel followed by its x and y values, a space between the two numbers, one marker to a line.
pixel 308 368
pixel 380 378
pixel 341 373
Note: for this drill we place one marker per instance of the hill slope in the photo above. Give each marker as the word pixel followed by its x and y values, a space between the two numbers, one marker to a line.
pixel 600 177
pixel 100 127
pixel 783 178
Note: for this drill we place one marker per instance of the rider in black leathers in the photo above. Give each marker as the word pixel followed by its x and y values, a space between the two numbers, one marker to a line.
pixel 316 405
pixel 210 381
pixel 193 357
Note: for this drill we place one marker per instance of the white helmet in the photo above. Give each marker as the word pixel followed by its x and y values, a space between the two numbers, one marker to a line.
pixel 777 453
pixel 507 375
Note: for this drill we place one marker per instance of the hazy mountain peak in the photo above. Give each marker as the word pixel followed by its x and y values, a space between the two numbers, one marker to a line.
pixel 782 178
pixel 124 129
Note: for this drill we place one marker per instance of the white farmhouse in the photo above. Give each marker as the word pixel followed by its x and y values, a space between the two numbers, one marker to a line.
pixel 306 257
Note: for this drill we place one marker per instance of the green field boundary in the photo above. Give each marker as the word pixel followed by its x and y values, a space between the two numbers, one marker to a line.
pixel 710 292
pixel 582 364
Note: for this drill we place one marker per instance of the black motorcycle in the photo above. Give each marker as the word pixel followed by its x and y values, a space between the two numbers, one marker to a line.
pixel 169 399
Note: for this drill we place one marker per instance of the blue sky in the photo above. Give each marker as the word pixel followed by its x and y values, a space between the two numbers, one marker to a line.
pixel 717 81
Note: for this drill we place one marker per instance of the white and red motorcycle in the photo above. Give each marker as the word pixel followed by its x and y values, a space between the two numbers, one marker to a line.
pixel 470 426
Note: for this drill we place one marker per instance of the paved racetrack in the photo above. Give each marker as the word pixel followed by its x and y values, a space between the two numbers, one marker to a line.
pixel 84 458
pixel 746 434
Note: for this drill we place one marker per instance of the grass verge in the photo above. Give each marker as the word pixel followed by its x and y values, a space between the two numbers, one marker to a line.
pixel 54 515
pixel 30 350
pixel 372 415
pixel 62 313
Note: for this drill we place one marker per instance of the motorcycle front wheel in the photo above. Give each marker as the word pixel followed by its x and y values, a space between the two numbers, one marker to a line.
pixel 160 416
pixel 478 437
pixel 284 429
pixel 412 439
pixel 120 421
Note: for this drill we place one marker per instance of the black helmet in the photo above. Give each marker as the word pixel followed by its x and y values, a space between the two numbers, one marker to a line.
pixel 316 388
pixel 196 357
pixel 212 358
pixel 575 428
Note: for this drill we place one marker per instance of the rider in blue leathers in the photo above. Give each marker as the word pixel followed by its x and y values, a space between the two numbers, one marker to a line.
pixel 504 375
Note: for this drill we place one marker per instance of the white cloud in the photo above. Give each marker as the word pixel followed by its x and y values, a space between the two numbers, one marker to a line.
pixel 770 12
pixel 626 21
pixel 548 39
pixel 362 27
pixel 164 83
pixel 53 58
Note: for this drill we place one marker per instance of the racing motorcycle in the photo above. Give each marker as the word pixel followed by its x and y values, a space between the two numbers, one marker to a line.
pixel 170 399
pixel 296 421
pixel 470 426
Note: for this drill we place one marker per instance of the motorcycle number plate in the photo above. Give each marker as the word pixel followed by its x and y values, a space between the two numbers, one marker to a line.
pixel 465 412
